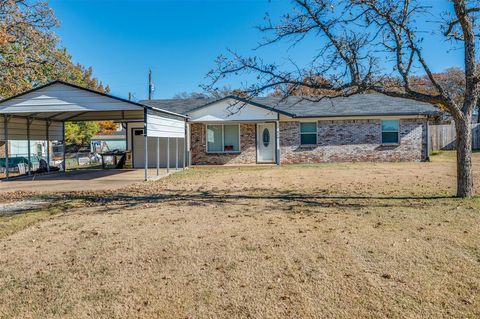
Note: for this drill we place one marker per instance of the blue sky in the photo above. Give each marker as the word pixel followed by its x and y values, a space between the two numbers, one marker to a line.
pixel 180 40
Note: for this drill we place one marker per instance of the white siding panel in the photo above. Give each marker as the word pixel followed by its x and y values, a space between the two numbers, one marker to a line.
pixel 17 130
pixel 159 126
pixel 38 130
pixel 55 132
pixel 230 110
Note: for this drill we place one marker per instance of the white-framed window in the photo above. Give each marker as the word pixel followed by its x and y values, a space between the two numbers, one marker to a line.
pixel 308 133
pixel 223 138
pixel 390 129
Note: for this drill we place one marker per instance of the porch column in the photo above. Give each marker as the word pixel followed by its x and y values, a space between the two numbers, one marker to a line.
pixel 176 153
pixel 277 142
pixel 6 118
pixel 168 155
pixel 158 156
pixel 29 122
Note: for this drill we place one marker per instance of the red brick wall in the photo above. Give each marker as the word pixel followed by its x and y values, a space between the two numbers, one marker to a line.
pixel 337 141
pixel 247 154
pixel 352 141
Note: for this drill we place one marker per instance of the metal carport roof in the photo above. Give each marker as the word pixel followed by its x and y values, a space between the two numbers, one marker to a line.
pixel 41 112
pixel 61 101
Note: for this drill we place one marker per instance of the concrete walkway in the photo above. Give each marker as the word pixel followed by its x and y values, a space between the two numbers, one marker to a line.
pixel 80 180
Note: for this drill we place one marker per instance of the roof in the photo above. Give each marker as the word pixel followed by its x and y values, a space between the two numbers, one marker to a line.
pixel 181 106
pixel 15 105
pixel 369 104
pixel 121 134
pixel 109 137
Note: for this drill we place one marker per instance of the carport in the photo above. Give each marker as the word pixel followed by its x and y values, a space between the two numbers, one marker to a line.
pixel 41 113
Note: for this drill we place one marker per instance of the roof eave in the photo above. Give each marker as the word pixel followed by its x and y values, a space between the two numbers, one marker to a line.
pixel 370 114
pixel 92 91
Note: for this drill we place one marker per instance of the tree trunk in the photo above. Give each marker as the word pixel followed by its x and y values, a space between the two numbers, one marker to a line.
pixel 464 158
pixel 478 111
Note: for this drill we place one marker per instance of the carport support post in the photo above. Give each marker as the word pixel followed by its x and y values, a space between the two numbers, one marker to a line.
pixel 47 133
pixel 29 121
pixel 145 142
pixel 168 155
pixel 176 153
pixel 5 129
pixel 184 153
pixel 158 156
pixel 64 148
pixel 186 147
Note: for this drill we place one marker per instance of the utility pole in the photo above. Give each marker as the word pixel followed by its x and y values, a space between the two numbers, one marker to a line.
pixel 129 96
pixel 150 84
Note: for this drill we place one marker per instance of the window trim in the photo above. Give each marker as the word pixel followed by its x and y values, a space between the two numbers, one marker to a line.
pixel 389 131
pixel 223 139
pixel 309 133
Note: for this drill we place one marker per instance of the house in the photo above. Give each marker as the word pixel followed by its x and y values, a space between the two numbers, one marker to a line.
pixel 362 127
pixel 231 130
pixel 106 142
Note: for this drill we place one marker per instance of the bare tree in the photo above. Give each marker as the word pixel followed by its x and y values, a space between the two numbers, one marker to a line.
pixel 355 37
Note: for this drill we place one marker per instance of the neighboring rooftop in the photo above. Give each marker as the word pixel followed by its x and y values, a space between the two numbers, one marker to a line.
pixel 356 105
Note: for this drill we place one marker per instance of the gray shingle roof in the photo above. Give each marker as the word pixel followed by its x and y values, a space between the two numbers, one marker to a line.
pixel 181 106
pixel 356 105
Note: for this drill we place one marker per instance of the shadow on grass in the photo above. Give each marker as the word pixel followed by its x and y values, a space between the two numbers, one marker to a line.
pixel 277 200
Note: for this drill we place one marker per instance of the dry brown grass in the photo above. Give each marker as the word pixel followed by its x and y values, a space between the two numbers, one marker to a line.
pixel 343 240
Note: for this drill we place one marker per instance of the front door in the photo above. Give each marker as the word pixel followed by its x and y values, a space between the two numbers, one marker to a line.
pixel 266 143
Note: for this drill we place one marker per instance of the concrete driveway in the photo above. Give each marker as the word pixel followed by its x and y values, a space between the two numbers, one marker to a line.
pixel 80 180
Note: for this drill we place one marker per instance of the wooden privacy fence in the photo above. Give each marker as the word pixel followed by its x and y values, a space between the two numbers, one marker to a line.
pixel 442 137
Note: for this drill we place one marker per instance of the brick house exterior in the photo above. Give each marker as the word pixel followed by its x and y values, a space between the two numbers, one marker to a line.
pixel 353 141
pixel 199 155
pixel 338 141
pixel 342 129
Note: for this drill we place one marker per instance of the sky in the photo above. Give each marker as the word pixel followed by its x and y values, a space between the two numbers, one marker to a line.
pixel 180 39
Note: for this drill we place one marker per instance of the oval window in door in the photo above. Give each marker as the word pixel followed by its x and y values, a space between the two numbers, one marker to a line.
pixel 266 137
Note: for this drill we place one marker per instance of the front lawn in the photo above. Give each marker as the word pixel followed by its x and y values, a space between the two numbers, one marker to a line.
pixel 356 240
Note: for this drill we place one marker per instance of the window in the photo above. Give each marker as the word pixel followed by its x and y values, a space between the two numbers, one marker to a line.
pixel 266 137
pixel 308 133
pixel 223 138
pixel 390 132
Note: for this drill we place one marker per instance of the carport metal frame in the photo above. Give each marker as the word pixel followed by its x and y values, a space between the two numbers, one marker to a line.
pixel 31 116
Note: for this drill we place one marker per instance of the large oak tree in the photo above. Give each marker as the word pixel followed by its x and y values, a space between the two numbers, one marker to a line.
pixel 354 39
pixel 30 55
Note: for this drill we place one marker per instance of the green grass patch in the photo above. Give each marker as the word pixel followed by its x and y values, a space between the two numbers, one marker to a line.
pixel 13 223
pixel 435 152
